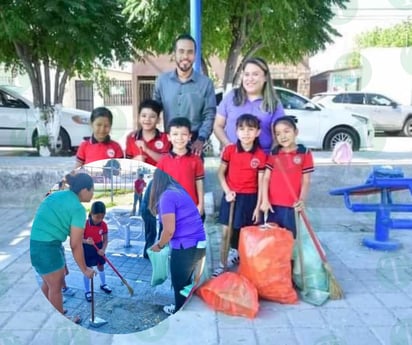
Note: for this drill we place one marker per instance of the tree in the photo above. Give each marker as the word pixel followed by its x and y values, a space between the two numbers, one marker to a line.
pixel 277 30
pixel 57 39
pixel 399 35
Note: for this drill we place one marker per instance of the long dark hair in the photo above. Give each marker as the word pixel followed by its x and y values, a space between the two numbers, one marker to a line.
pixel 161 181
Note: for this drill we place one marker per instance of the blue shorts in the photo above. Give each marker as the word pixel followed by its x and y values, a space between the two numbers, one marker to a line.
pixel 245 204
pixel 47 257
pixel 284 217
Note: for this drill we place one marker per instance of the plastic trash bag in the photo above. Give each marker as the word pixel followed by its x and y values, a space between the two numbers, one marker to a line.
pixel 232 294
pixel 312 280
pixel 160 265
pixel 342 153
pixel 265 259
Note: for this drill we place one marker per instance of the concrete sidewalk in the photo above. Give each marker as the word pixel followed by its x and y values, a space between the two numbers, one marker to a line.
pixel 377 308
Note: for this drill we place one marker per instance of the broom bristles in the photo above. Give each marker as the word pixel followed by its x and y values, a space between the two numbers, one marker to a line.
pixel 335 290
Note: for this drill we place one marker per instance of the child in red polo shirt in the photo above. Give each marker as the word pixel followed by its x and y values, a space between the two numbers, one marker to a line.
pixel 99 145
pixel 287 160
pixel 185 167
pixel 240 174
pixel 95 232
pixel 147 144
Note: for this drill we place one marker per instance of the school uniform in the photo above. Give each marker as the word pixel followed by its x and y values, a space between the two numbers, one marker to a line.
pixel 159 143
pixel 242 172
pixel 96 232
pixel 294 164
pixel 186 170
pixel 91 150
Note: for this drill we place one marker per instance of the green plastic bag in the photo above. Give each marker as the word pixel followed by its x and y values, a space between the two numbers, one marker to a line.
pixel 160 265
pixel 314 287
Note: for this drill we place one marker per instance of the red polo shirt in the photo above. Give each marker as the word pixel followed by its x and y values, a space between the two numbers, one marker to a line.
pixel 186 170
pixel 243 167
pixel 90 150
pixel 95 231
pixel 159 144
pixel 139 185
pixel 295 164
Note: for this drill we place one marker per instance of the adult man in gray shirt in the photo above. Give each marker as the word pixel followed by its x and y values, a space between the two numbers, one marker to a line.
pixel 185 92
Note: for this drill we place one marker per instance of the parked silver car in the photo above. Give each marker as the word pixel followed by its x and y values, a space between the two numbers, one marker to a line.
pixel 386 114
pixel 18 122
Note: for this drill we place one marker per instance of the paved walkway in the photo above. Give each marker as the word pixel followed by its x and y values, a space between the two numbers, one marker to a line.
pixel 377 308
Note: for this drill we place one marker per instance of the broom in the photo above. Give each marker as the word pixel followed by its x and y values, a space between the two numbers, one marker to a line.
pixel 335 290
pixel 124 281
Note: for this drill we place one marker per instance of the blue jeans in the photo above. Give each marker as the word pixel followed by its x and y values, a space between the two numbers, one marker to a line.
pixel 137 197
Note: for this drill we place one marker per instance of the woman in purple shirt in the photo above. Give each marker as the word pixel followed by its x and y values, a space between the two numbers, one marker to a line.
pixel 182 229
pixel 255 96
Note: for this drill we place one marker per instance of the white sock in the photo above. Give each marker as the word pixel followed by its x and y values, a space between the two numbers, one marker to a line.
pixel 102 276
pixel 86 281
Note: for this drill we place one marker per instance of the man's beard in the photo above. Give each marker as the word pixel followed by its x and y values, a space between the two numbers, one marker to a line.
pixel 185 67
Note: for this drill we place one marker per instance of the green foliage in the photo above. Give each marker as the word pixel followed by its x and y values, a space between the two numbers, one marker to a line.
pixel 278 30
pixel 42 140
pixel 399 35
pixel 67 35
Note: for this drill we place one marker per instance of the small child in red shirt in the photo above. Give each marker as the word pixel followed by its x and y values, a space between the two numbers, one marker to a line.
pixel 240 174
pixel 99 145
pixel 180 163
pixel 147 144
pixel 290 161
pixel 95 232
pixel 139 186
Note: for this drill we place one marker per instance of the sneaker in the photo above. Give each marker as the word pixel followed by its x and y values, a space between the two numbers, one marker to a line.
pixel 106 288
pixel 218 271
pixel 233 258
pixel 169 309
pixel 68 291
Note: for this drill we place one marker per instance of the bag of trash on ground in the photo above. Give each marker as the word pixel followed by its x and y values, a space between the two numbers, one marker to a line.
pixel 265 253
pixel 232 294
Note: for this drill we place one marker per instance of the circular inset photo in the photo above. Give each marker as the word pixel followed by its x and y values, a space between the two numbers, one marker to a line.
pixel 112 238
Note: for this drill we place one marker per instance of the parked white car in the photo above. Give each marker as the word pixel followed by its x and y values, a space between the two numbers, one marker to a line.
pixel 386 114
pixel 322 128
pixel 18 122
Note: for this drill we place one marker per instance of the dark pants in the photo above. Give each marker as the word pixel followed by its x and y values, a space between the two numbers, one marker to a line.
pixel 150 230
pixel 182 265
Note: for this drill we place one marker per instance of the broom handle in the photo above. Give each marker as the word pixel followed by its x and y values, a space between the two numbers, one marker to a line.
pixel 92 292
pixel 302 212
pixel 114 269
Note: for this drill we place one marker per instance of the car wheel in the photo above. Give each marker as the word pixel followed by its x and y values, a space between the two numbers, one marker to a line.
pixel 339 134
pixel 63 142
pixel 407 127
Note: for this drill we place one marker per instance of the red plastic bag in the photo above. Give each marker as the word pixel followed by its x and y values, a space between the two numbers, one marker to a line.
pixel 231 294
pixel 265 259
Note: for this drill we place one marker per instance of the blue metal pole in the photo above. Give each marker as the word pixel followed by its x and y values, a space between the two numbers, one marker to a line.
pixel 195 31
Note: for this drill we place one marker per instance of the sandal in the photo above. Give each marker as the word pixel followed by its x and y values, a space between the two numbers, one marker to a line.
pixel 88 296
pixel 76 319
pixel 106 288
pixel 218 271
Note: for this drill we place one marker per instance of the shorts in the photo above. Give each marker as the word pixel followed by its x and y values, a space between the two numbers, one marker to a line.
pixel 285 217
pixel 46 257
pixel 90 255
pixel 245 204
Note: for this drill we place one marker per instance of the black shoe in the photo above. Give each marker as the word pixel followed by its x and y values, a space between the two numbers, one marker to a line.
pixel 88 296
pixel 106 288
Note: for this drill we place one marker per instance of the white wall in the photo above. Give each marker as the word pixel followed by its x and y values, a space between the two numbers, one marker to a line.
pixel 386 70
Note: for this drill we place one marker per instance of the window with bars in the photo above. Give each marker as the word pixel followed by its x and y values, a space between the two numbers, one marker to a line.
pixel 119 93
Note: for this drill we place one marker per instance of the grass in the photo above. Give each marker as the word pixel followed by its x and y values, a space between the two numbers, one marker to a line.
pixel 122 198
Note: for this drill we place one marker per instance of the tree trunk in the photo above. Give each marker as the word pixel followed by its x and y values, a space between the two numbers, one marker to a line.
pixel 62 86
pixel 47 88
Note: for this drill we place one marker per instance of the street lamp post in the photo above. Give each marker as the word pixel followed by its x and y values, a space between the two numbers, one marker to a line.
pixel 195 31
